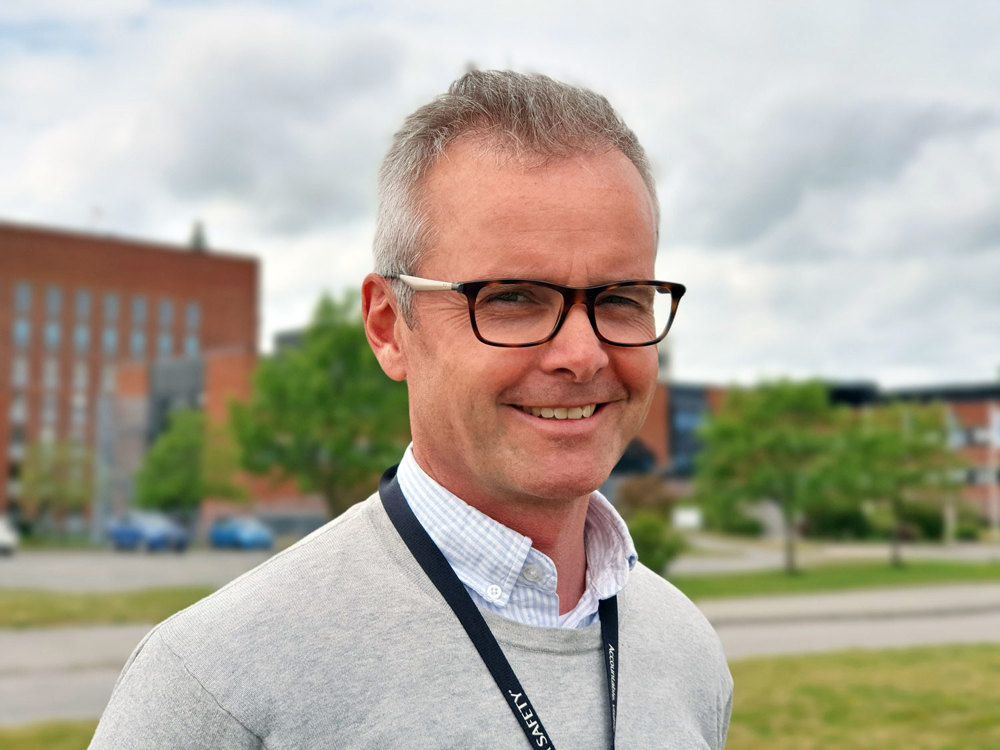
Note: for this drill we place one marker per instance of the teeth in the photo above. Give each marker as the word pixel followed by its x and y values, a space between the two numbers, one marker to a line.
pixel 559 412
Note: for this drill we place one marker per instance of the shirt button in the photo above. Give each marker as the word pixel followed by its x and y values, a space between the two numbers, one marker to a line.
pixel 494 592
pixel 532 573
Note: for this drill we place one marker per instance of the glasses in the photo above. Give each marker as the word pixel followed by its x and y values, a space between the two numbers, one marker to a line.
pixel 519 312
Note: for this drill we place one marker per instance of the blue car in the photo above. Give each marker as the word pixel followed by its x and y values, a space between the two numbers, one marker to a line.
pixel 240 533
pixel 148 531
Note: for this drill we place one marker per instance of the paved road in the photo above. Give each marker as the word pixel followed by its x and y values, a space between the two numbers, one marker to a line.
pixel 729 555
pixel 110 571
pixel 69 673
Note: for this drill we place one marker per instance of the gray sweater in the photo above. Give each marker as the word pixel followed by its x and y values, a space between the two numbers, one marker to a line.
pixel 341 641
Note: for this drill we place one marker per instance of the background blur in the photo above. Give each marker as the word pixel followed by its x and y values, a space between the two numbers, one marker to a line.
pixel 184 182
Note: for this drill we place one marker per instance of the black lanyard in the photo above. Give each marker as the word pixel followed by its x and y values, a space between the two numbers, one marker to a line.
pixel 436 567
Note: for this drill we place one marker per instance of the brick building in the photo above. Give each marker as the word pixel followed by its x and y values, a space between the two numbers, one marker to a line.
pixel 86 324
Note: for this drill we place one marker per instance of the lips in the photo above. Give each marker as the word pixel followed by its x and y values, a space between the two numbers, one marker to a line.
pixel 560 412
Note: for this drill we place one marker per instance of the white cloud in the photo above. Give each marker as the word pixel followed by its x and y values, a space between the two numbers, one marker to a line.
pixel 829 172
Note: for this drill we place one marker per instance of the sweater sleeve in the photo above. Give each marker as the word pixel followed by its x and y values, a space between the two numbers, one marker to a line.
pixel 157 702
pixel 725 711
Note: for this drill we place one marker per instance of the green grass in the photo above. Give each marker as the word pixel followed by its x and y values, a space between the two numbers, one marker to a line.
pixel 942 698
pixel 22 608
pixel 56 735
pixel 841 577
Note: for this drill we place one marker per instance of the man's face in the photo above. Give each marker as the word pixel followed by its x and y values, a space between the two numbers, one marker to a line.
pixel 579 221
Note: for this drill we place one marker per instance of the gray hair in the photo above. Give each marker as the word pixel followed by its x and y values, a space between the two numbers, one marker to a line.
pixel 526 116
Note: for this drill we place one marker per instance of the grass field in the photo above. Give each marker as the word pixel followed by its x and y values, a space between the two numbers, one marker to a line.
pixel 920 699
pixel 31 608
pixel 942 698
pixel 840 577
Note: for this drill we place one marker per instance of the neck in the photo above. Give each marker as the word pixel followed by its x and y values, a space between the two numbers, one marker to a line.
pixel 557 532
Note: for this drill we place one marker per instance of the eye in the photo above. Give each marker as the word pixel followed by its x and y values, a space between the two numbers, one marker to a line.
pixel 625 300
pixel 509 294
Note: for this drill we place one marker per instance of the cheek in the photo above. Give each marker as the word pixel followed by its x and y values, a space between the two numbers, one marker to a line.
pixel 638 369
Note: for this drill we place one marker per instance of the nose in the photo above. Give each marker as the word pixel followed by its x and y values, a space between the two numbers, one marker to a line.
pixel 575 351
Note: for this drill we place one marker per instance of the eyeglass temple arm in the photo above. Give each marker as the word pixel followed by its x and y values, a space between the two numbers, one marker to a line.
pixel 427 285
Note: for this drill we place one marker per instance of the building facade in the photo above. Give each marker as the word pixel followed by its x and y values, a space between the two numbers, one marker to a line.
pixel 78 312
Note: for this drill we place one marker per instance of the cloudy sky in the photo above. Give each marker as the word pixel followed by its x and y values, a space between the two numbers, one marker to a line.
pixel 829 171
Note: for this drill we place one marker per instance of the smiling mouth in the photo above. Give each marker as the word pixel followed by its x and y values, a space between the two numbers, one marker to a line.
pixel 560 412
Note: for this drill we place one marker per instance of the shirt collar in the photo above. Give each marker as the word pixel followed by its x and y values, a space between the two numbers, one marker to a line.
pixel 486 554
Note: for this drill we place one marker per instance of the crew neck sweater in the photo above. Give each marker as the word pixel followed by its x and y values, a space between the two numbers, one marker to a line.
pixel 342 641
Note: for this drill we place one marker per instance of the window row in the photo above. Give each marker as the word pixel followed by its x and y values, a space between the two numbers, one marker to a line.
pixel 52 338
pixel 111 306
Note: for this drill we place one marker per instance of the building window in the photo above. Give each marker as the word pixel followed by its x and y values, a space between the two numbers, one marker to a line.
pixel 166 313
pixel 165 344
pixel 138 344
pixel 192 316
pixel 53 335
pixel 50 410
pixel 80 375
pixel 22 333
pixel 19 409
pixel 191 345
pixel 108 379
pixel 50 373
pixel 82 304
pixel 110 342
pixel 19 371
pixel 53 301
pixel 138 311
pixel 81 338
pixel 78 416
pixel 111 306
pixel 22 298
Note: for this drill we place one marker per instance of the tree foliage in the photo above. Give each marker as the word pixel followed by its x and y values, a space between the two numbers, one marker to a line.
pixel 784 442
pixel 767 443
pixel 57 481
pixel 188 462
pixel 325 413
pixel 896 455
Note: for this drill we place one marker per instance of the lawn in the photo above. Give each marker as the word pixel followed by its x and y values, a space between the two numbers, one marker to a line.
pixel 56 735
pixel 22 608
pixel 841 577
pixel 941 698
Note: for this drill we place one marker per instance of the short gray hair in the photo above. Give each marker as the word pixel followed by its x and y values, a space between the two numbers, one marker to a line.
pixel 524 115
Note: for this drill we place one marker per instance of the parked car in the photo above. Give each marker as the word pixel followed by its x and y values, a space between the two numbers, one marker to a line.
pixel 240 533
pixel 8 537
pixel 148 531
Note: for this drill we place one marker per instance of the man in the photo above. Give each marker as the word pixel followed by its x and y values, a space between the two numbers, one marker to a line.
pixel 487 596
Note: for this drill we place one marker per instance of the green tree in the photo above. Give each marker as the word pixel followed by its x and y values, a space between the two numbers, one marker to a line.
pixel 187 463
pixel 57 481
pixel 767 443
pixel 897 455
pixel 324 413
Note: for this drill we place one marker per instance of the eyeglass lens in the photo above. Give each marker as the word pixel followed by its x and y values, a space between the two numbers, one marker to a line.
pixel 525 313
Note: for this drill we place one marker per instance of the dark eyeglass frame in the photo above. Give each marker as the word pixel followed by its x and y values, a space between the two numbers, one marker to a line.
pixel 572 295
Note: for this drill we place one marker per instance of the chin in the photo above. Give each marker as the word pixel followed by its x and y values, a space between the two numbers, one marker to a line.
pixel 565 483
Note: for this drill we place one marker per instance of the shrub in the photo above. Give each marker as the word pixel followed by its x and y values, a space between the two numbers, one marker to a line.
pixel 656 542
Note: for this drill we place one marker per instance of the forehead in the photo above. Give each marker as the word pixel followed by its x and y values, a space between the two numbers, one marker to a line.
pixel 493 213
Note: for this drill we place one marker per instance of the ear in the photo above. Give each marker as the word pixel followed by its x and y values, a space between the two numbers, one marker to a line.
pixel 383 324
